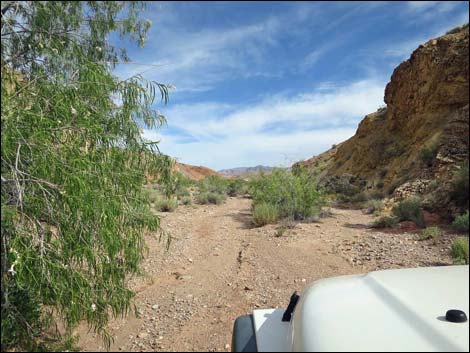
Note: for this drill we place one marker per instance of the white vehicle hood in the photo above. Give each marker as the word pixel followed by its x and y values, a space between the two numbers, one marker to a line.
pixel 393 310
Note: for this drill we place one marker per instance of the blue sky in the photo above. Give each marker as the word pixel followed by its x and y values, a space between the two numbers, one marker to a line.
pixel 275 82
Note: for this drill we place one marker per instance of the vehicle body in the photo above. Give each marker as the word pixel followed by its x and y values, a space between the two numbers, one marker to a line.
pixel 391 310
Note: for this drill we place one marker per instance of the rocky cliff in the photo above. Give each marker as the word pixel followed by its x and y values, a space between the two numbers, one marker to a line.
pixel 421 137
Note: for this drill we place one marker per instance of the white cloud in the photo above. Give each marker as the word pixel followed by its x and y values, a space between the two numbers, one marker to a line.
pixel 274 131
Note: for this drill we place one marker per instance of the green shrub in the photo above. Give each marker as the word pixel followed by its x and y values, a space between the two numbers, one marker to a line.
pixel 373 206
pixel 153 195
pixel 186 200
pixel 265 213
pixel 410 210
pixel 165 204
pixel 216 198
pixel 215 184
pixel 460 190
pixel 384 222
pixel 428 154
pixel 182 192
pixel 237 187
pixel 359 197
pixel 461 223
pixel 430 233
pixel 295 196
pixel 205 198
pixel 459 250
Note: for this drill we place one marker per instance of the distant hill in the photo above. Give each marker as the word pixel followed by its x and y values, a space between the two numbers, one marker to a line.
pixel 244 170
pixel 194 172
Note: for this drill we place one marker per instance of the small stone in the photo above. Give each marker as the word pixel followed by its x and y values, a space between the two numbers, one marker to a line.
pixel 227 346
pixel 155 306
pixel 142 335
pixel 304 280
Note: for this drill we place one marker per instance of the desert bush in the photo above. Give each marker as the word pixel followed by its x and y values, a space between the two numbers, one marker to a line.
pixel 359 197
pixel 216 198
pixel 214 184
pixel 459 250
pixel 237 187
pixel 428 154
pixel 410 210
pixel 264 213
pixel 153 195
pixel 205 198
pixel 186 200
pixel 165 204
pixel 460 189
pixel 373 206
pixel 294 196
pixel 430 233
pixel 461 223
pixel 384 222
pixel 182 192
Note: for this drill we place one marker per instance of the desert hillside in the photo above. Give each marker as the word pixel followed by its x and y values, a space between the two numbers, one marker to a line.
pixel 420 139
pixel 194 172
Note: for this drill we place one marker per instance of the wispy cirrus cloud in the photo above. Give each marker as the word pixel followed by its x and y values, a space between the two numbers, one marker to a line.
pixel 298 126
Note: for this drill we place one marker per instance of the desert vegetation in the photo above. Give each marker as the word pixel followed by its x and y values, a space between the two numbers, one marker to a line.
pixel 74 212
pixel 284 194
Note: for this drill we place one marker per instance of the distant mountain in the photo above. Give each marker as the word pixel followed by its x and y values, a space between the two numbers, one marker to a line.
pixel 244 170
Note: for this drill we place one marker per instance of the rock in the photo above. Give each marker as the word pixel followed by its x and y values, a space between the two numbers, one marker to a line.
pixel 227 347
pixel 142 335
pixel 155 306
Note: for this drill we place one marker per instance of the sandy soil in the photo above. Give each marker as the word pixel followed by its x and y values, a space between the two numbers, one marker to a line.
pixel 220 267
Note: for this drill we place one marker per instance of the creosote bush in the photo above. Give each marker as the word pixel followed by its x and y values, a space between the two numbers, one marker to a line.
pixel 265 213
pixel 430 233
pixel 384 222
pixel 165 204
pixel 460 191
pixel 374 206
pixel 461 223
pixel 294 195
pixel 410 210
pixel 459 250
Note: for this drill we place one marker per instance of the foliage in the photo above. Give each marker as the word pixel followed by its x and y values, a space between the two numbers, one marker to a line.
pixel 384 222
pixel 460 191
pixel 430 233
pixel 373 206
pixel 428 154
pixel 264 213
pixel 295 196
pixel 237 187
pixel 214 184
pixel 459 250
pixel 461 223
pixel 204 198
pixel 166 204
pixel 212 189
pixel 410 210
pixel 73 165
pixel 186 200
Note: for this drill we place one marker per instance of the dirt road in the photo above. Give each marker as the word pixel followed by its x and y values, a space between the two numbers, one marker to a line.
pixel 220 267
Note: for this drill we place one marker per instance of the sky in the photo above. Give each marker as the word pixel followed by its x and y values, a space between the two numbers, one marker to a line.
pixel 272 83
